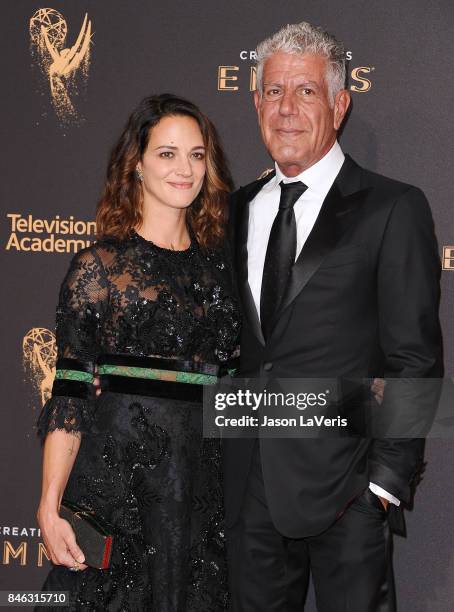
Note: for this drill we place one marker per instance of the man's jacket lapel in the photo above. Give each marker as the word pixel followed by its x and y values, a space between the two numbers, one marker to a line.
pixel 244 197
pixel 337 213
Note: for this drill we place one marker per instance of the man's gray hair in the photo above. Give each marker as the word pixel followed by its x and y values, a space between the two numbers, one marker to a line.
pixel 301 38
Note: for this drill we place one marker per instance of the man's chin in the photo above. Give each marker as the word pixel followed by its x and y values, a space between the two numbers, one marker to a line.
pixel 290 166
pixel 287 156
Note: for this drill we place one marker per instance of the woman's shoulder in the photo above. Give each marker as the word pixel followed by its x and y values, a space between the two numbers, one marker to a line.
pixel 100 254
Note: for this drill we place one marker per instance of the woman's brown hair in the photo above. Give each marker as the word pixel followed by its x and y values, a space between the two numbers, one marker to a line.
pixel 120 207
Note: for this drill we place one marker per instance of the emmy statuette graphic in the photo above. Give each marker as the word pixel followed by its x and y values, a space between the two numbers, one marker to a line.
pixel 39 354
pixel 65 68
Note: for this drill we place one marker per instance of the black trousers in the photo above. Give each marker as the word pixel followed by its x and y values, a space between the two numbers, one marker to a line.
pixel 350 562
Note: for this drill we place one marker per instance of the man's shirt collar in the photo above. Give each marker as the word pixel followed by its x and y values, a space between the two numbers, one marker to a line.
pixel 318 177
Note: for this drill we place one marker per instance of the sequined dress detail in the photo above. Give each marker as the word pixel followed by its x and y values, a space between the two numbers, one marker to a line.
pixel 143 464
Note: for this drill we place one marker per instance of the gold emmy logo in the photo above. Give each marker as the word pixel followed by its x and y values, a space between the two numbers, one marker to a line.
pixel 265 173
pixel 448 258
pixel 64 67
pixel 229 77
pixel 361 83
pixel 19 553
pixel 40 354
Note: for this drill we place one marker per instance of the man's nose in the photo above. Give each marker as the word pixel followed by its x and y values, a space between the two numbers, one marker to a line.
pixel 288 104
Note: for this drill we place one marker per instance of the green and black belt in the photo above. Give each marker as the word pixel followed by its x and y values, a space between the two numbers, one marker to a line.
pixel 149 376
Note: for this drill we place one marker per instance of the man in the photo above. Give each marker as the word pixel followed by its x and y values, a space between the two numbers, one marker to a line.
pixel 338 276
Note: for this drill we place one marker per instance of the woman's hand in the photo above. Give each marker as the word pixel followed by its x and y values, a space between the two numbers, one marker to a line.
pixel 60 451
pixel 59 539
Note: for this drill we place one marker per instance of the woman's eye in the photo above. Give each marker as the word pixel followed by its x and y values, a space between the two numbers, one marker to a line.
pixel 198 155
pixel 166 154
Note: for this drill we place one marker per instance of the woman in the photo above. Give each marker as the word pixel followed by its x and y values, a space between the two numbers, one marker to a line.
pixel 150 305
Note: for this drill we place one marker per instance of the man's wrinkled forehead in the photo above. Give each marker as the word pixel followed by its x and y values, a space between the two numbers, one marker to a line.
pixel 281 68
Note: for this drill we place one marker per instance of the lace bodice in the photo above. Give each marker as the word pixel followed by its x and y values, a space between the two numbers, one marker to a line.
pixel 132 297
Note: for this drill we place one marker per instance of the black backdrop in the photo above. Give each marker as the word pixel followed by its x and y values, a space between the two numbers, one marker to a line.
pixel 54 162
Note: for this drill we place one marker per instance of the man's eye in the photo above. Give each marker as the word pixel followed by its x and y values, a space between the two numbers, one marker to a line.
pixel 166 154
pixel 273 92
pixel 307 91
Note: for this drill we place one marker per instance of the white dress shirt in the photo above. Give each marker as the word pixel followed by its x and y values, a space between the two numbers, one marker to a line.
pixel 263 209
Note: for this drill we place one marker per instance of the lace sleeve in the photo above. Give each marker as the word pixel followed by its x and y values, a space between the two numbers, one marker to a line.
pixel 83 295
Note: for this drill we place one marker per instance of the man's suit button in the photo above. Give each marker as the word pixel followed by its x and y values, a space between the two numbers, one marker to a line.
pixel 267 366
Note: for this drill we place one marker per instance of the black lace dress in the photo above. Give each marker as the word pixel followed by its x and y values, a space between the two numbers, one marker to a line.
pixel 155 324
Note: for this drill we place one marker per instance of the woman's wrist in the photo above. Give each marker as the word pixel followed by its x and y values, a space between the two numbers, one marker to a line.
pixel 49 505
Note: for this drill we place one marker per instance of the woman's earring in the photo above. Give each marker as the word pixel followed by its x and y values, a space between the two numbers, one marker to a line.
pixel 139 174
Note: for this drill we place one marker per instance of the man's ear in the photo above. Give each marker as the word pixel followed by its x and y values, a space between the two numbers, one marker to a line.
pixel 341 104
pixel 257 101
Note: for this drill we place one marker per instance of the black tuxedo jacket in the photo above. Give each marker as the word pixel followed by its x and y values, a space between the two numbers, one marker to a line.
pixel 362 301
